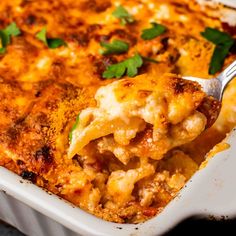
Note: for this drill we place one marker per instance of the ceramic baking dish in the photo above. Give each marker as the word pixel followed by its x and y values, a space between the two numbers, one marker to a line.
pixel 210 192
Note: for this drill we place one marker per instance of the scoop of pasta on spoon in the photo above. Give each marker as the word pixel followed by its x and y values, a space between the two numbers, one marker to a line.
pixel 145 116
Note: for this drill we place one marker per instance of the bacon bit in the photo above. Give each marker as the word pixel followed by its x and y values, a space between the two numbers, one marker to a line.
pixel 150 212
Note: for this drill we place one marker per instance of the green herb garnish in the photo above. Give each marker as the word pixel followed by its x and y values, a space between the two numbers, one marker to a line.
pixel 50 42
pixel 4 41
pixel 124 16
pixel 155 31
pixel 129 67
pixel 5 36
pixel 150 60
pixel 12 30
pixel 223 42
pixel 116 47
pixel 42 36
pixel 55 43
pixel 74 127
pixel 215 36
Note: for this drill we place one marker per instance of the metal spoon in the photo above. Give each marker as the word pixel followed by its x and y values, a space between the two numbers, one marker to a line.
pixel 215 87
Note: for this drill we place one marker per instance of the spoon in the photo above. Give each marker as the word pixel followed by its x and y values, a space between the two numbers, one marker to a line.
pixel 215 87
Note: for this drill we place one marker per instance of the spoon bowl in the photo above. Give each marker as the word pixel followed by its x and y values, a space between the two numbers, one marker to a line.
pixel 215 88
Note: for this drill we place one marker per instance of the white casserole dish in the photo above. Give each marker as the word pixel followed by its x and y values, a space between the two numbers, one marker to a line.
pixel 210 192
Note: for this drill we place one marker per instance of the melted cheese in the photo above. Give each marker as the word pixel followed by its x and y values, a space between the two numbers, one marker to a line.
pixel 128 106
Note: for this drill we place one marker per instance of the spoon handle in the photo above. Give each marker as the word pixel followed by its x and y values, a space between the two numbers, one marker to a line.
pixel 227 75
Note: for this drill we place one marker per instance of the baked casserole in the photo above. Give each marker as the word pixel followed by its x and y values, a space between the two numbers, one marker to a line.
pixel 93 105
